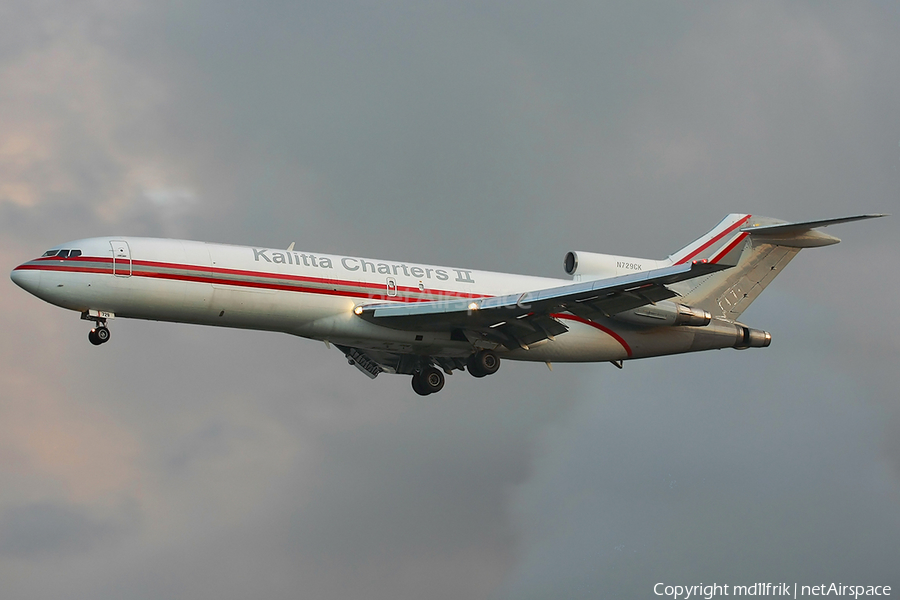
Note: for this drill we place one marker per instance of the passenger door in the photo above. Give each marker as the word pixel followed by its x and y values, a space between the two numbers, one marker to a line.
pixel 121 258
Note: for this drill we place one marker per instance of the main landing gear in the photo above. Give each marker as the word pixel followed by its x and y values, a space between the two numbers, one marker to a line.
pixel 427 381
pixel 483 362
pixel 430 380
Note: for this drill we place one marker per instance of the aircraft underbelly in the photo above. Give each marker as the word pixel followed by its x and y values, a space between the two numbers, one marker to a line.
pixel 186 301
pixel 615 341
pixel 582 343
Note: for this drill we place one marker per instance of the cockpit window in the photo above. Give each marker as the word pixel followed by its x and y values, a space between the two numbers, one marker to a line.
pixel 62 253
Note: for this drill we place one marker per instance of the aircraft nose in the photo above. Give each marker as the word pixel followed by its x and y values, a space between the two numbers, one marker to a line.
pixel 26 279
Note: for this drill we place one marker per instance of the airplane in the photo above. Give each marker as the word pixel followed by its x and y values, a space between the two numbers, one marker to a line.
pixel 425 320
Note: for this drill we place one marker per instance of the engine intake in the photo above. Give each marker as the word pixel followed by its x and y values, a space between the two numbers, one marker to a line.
pixel 570 263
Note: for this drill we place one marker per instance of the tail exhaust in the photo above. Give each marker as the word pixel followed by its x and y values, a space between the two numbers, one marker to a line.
pixel 722 334
pixel 753 338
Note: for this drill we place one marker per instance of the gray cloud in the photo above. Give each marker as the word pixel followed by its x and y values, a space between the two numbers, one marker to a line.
pixel 765 473
pixel 34 531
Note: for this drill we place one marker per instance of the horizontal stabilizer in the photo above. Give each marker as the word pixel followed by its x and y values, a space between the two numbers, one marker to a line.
pixel 806 225
pixel 802 234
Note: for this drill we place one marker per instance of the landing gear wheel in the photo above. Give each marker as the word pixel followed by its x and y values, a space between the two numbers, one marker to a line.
pixel 102 334
pixel 432 380
pixel 428 381
pixel 472 367
pixel 484 362
pixel 98 335
pixel 417 386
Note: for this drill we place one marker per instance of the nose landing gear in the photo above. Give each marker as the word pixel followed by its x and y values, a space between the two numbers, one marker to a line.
pixel 98 335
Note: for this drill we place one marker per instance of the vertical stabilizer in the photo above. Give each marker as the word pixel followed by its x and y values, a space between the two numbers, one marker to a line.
pixel 759 247
pixel 728 293
pixel 719 238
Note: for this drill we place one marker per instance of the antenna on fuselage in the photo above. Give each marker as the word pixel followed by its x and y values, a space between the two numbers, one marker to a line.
pixel 291 247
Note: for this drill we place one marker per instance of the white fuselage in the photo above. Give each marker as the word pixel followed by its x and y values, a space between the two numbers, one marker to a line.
pixel 313 295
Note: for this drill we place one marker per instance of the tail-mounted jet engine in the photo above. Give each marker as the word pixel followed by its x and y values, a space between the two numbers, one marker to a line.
pixel 591 265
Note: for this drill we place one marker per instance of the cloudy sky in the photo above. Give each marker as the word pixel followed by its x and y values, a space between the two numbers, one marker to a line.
pixel 181 461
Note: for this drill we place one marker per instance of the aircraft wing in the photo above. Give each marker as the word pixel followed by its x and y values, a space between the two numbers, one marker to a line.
pixel 517 320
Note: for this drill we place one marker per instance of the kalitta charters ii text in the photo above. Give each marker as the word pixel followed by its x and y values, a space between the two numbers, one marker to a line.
pixel 784 590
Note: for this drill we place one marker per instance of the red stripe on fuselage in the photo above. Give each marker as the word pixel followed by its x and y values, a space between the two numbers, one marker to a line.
pixel 204 276
pixel 304 278
pixel 65 265
pixel 247 273
pixel 595 325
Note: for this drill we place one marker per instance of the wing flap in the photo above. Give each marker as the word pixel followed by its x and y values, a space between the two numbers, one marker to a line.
pixel 614 302
pixel 525 330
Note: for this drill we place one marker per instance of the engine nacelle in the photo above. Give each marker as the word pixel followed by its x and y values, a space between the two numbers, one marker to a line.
pixel 591 265
pixel 665 313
